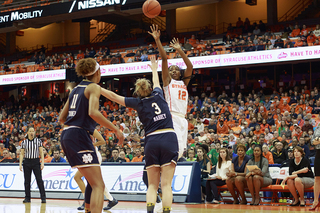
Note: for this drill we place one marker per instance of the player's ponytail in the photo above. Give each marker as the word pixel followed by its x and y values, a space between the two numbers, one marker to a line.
pixel 143 87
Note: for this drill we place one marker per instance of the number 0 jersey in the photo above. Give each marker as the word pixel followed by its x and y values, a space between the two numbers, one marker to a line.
pixel 153 111
pixel 176 94
pixel 78 109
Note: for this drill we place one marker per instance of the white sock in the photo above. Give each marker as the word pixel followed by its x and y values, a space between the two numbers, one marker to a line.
pixel 107 194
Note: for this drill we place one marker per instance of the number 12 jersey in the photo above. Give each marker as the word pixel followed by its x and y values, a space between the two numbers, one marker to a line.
pixel 176 95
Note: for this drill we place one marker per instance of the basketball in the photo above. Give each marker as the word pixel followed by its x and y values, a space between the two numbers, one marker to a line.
pixel 151 8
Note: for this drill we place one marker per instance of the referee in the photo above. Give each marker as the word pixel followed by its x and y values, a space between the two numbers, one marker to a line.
pixel 30 149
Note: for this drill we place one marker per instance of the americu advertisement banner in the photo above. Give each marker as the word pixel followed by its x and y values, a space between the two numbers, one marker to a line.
pixel 234 59
pixel 118 178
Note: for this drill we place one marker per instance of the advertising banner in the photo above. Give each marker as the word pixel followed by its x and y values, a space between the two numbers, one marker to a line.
pixel 31 77
pixel 56 9
pixel 234 59
pixel 119 178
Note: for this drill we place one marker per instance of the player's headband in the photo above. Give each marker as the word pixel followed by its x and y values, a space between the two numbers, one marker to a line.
pixel 96 69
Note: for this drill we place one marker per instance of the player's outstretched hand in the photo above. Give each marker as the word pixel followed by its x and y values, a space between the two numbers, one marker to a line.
pixel 120 137
pixel 154 63
pixel 175 43
pixel 155 32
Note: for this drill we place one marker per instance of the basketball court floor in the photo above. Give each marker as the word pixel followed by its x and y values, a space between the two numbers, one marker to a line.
pixel 15 205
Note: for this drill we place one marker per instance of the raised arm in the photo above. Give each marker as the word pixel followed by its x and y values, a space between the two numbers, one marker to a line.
pixel 155 32
pixel 154 68
pixel 113 96
pixel 188 72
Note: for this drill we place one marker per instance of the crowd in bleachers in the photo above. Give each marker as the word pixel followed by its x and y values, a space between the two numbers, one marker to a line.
pixel 242 37
pixel 288 117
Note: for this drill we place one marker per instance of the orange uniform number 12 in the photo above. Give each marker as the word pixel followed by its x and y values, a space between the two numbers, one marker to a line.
pixel 182 95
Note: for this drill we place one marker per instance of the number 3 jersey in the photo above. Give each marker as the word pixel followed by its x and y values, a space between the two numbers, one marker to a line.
pixel 78 114
pixel 153 111
pixel 176 94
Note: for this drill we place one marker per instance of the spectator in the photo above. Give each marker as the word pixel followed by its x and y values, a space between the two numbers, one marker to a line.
pixel 295 32
pixel 222 128
pixel 307 126
pixel 262 26
pixel 144 56
pixel 115 157
pixel 236 176
pixel 92 52
pixel 298 43
pixel 212 126
pixel 304 146
pixel 223 167
pixel 317 31
pixel 192 54
pixel 64 65
pixel 192 41
pixel 256 31
pixel 289 43
pixel 267 154
pixel 311 39
pixel 239 23
pixel 187 46
pixel 304 30
pixel 258 178
pixel 279 154
pixel 47 158
pixel 128 154
pixel 204 163
pixel 138 157
pixel 247 25
pixel 199 125
pixel 301 176
pixel 123 156
pixel 279 42
pixel 260 46
pixel 304 36
pixel 6 157
pixel 286 163
pixel 201 46
pixel 191 155
pixel 150 49
pixel 57 158
pixel 80 55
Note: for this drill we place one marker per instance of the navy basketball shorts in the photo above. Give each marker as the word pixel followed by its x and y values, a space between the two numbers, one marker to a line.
pixel 161 149
pixel 78 148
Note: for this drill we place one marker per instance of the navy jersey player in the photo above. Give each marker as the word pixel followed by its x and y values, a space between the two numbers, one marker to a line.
pixel 175 89
pixel 161 143
pixel 80 115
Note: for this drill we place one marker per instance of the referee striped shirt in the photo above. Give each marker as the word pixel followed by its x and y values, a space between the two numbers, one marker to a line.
pixel 31 148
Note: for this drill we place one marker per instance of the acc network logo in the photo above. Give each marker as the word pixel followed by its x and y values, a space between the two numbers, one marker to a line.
pixel 129 185
pixel 87 4
pixel 57 180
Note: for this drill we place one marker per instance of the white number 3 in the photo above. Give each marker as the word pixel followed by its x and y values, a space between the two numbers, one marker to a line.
pixel 156 107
